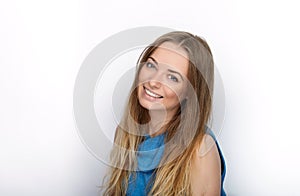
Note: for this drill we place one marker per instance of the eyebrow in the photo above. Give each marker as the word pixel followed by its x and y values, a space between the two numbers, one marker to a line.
pixel 170 70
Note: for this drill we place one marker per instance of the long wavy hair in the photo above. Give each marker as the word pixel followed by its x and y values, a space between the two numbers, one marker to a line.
pixel 185 130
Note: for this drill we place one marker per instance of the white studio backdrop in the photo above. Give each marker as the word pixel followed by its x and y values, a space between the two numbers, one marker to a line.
pixel 42 45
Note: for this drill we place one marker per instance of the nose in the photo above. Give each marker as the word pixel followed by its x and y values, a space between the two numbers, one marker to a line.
pixel 155 81
pixel 154 84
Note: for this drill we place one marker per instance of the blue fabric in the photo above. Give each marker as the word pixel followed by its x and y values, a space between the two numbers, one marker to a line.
pixel 149 154
pixel 223 165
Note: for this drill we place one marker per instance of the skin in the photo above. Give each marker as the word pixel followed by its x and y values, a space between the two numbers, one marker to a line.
pixel 165 75
pixel 206 169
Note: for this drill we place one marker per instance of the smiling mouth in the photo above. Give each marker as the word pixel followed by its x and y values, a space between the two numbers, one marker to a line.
pixel 152 94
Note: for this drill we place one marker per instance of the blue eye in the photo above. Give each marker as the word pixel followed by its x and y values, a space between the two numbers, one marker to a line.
pixel 173 78
pixel 150 65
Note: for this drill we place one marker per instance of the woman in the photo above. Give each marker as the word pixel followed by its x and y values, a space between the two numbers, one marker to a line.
pixel 163 145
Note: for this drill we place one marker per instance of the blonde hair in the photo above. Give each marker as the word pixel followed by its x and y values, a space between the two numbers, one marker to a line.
pixel 185 130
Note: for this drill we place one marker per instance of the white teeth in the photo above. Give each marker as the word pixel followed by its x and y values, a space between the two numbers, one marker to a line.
pixel 152 94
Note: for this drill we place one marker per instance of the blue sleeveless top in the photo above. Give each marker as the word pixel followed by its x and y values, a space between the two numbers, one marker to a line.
pixel 149 154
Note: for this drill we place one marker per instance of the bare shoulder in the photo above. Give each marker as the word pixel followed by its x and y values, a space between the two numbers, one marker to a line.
pixel 206 168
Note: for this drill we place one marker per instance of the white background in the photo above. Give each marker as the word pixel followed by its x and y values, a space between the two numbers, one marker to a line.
pixel 43 43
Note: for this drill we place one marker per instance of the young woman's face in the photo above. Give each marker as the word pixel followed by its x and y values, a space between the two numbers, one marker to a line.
pixel 163 78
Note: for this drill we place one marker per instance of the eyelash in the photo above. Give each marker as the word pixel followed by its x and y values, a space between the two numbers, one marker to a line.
pixel 150 65
pixel 171 77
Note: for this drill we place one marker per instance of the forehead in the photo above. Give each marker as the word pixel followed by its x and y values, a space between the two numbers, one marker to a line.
pixel 172 56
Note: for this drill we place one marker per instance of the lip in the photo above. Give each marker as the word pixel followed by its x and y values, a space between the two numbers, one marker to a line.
pixel 149 97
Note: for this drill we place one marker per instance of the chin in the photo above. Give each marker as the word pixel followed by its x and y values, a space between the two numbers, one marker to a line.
pixel 151 106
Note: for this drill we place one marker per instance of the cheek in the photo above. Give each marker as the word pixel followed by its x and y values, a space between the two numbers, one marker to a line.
pixel 171 94
pixel 175 93
pixel 143 76
pixel 139 89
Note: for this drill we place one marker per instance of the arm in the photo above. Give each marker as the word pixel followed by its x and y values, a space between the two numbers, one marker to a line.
pixel 206 169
